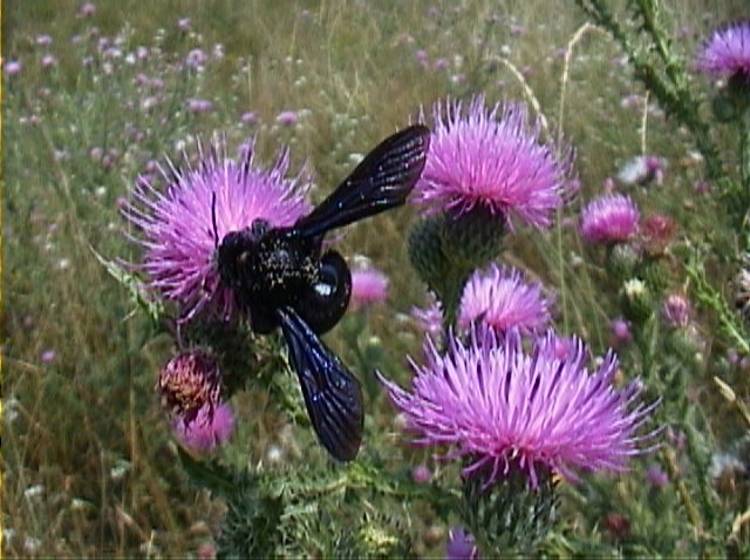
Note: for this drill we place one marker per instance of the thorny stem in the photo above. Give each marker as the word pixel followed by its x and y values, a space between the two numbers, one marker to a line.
pixel 744 124
pixel 674 473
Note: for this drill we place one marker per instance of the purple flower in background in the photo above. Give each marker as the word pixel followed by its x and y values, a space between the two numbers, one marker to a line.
pixel 621 331
pixel 676 311
pixel 48 60
pixel 500 298
pixel 48 356
pixel 460 545
pixel 184 24
pixel 504 408
pixel 87 9
pixel 189 382
pixel 200 105
pixel 492 157
pixel 727 52
pixel 610 219
pixel 177 228
pixel 430 318
pixel 209 429
pixel 369 286
pixel 13 67
pixel 656 477
pixel 249 118
pixel 196 58
pixel 287 118
pixel 421 474
pixel 43 40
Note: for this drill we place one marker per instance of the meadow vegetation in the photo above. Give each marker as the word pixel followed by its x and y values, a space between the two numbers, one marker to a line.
pixel 105 91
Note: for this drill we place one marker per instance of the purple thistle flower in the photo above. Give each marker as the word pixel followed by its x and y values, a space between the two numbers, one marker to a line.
pixel 504 408
pixel 621 331
pixel 13 67
pixel 460 545
pixel 676 311
pixel 196 58
pixel 287 118
pixel 500 298
pixel 48 356
pixel 421 474
pixel 177 226
pixel 200 105
pixel 656 477
pixel 87 9
pixel 492 157
pixel 429 319
pixel 209 429
pixel 369 286
pixel 249 118
pixel 184 24
pixel 727 52
pixel 43 40
pixel 48 60
pixel 610 219
pixel 188 383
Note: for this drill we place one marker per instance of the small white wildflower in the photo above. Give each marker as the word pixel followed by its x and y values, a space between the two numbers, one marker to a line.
pixel 33 492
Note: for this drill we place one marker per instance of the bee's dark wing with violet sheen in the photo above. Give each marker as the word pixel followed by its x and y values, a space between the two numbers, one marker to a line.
pixel 332 395
pixel 381 181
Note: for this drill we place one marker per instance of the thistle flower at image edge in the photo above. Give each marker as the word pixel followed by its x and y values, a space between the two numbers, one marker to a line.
pixel 503 408
pixel 500 298
pixel 726 53
pixel 176 223
pixel 492 157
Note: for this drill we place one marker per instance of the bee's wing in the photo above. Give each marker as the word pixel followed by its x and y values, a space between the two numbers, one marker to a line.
pixel 381 181
pixel 332 395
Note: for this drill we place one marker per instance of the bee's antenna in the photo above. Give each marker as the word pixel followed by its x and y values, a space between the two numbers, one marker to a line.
pixel 213 219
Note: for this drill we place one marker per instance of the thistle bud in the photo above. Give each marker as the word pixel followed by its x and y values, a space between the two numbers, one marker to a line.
pixel 637 300
pixel 426 250
pixel 474 236
pixel 623 260
pixel 509 513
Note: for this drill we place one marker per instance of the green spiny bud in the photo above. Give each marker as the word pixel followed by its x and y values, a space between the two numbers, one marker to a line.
pixel 656 276
pixel 426 250
pixel 623 260
pixel 474 237
pixel 637 300
pixel 509 514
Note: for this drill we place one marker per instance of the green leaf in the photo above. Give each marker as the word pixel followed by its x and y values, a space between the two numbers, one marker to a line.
pixel 208 474
pixel 154 308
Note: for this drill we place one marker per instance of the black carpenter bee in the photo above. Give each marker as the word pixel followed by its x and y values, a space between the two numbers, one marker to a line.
pixel 281 277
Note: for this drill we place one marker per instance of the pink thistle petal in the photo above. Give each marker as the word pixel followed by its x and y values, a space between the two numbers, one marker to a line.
pixel 610 219
pixel 500 298
pixel 727 52
pixel 492 157
pixel 503 406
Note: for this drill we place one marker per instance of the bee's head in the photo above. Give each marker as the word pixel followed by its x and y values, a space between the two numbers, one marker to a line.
pixel 236 248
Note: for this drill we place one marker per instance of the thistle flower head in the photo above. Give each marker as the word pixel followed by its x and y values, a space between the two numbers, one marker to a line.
pixel 177 224
pixel 727 52
pixel 500 298
pixel 430 318
pixel 460 545
pixel 676 311
pixel 188 383
pixel 610 219
pixel 209 429
pixel 492 157
pixel 369 286
pixel 503 408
